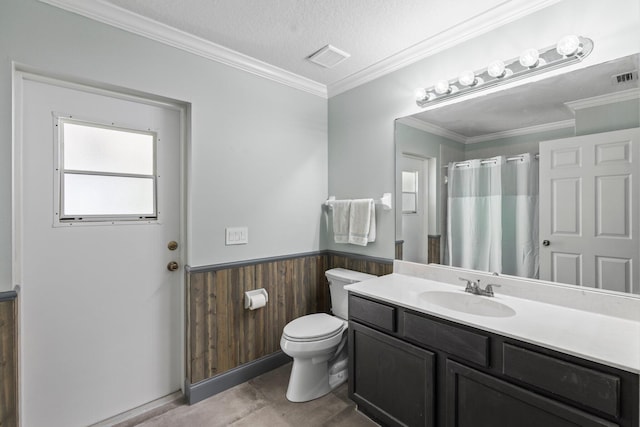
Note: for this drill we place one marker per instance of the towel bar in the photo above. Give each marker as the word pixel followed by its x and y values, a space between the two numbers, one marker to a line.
pixel 385 201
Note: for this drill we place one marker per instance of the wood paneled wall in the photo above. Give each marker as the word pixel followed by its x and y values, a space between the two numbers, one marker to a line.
pixel 360 263
pixel 222 335
pixel 399 249
pixel 8 364
pixel 434 250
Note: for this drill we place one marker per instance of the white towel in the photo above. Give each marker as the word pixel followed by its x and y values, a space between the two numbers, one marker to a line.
pixel 362 222
pixel 341 210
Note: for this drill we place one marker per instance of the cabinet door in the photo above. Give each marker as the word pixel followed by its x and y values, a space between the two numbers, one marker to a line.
pixel 474 399
pixel 390 380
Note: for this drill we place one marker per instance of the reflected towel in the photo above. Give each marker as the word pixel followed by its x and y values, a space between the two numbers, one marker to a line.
pixel 362 222
pixel 341 210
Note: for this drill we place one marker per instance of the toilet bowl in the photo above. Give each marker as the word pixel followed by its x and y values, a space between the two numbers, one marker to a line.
pixel 318 343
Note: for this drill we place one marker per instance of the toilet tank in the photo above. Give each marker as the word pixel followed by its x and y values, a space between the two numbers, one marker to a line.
pixel 338 279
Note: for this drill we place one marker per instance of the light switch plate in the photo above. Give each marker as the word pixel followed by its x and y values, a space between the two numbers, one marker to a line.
pixel 236 235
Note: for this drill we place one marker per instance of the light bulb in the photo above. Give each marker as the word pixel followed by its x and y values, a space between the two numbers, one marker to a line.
pixel 467 78
pixel 442 87
pixel 568 45
pixel 422 95
pixel 496 69
pixel 530 58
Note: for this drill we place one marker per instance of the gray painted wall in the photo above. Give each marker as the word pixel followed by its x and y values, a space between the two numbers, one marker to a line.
pixel 424 144
pixel 258 148
pixel 514 145
pixel 361 121
pixel 604 118
pixel 623 115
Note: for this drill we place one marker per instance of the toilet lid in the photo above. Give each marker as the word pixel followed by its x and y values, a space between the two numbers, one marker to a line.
pixel 313 327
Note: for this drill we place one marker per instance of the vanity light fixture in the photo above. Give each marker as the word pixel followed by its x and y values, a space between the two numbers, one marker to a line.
pixel 469 78
pixel 444 88
pixel 530 58
pixel 568 45
pixel 498 70
pixel 569 50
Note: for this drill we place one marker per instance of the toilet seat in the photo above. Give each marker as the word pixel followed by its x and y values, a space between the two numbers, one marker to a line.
pixel 313 327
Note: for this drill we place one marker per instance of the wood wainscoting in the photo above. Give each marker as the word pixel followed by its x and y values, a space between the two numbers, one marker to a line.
pixel 434 250
pixel 399 249
pixel 222 334
pixel 364 264
pixel 8 359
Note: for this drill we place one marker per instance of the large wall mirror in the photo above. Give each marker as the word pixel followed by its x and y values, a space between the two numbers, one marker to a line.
pixel 539 180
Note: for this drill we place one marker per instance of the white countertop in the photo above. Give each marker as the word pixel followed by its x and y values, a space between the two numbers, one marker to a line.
pixel 609 340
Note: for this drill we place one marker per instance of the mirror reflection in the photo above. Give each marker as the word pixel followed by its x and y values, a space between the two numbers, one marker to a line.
pixel 533 181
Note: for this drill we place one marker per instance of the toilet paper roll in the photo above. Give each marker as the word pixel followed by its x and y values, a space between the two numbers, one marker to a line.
pixel 257 301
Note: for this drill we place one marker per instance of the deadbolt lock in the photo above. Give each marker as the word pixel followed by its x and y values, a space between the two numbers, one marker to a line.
pixel 173 245
pixel 172 266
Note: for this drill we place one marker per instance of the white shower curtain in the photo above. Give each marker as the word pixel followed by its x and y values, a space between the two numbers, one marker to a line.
pixel 492 215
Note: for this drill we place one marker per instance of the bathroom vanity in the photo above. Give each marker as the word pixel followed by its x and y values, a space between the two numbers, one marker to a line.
pixel 425 353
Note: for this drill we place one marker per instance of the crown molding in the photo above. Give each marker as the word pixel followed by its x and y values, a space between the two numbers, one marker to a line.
pixel 118 17
pixel 610 98
pixel 522 131
pixel 110 14
pixel 440 131
pixel 507 11
pixel 433 129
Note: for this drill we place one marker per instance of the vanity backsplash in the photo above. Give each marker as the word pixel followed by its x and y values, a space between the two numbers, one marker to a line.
pixel 608 303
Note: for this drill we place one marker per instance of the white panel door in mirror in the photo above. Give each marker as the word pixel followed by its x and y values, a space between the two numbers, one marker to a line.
pixel 614 274
pixel 588 212
pixel 565 216
pixel 566 268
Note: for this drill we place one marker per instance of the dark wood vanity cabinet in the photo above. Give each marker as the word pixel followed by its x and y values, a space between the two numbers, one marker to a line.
pixel 394 380
pixel 411 369
pixel 379 363
pixel 476 399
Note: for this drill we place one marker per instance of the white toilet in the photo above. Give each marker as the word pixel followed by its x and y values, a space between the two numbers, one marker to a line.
pixel 318 342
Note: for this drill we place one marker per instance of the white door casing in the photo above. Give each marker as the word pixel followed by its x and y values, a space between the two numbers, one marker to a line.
pixel 415 227
pixel 101 316
pixel 589 210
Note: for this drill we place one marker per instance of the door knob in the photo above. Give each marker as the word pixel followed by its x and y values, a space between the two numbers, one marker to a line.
pixel 546 243
pixel 172 266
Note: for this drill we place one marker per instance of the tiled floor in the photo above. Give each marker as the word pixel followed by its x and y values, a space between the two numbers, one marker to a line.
pixel 262 402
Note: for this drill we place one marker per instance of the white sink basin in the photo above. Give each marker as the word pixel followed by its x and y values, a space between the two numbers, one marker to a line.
pixel 467 303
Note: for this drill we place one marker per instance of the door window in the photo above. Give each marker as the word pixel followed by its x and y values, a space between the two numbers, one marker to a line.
pixel 104 173
pixel 409 192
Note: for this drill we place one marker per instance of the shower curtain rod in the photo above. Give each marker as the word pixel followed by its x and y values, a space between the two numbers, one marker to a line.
pixel 488 161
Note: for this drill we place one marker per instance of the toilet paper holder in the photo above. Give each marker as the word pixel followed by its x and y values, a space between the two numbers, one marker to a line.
pixel 248 295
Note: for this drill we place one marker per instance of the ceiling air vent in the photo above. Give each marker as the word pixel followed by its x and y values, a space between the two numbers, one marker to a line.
pixel 624 78
pixel 328 56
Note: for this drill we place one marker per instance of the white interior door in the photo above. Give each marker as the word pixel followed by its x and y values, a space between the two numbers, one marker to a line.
pixel 414 221
pixel 101 314
pixel 589 210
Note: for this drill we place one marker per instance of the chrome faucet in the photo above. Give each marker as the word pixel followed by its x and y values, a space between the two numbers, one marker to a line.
pixel 473 287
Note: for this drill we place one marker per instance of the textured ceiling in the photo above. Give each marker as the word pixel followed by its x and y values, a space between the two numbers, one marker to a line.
pixel 284 32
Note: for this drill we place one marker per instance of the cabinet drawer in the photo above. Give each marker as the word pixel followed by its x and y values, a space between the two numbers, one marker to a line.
pixel 594 389
pixel 476 399
pixel 464 344
pixel 372 313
